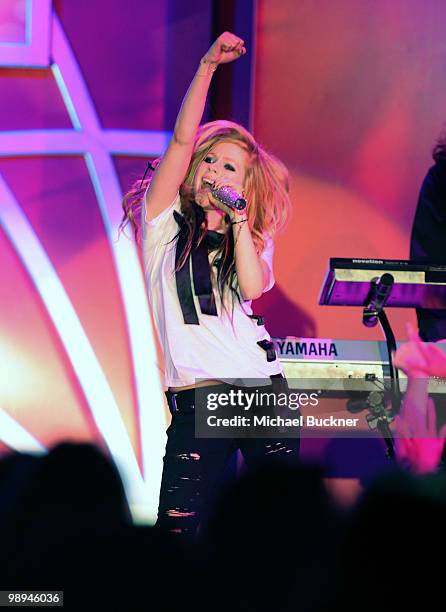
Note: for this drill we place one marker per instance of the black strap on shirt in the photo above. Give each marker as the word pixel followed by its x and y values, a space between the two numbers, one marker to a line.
pixel 200 269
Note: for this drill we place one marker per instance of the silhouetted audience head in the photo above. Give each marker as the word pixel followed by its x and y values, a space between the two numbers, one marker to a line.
pixel 65 524
pixel 274 540
pixel 275 530
pixel 79 479
pixel 388 558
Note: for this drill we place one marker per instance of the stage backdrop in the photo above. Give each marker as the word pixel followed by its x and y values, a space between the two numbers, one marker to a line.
pixel 349 94
pixel 88 90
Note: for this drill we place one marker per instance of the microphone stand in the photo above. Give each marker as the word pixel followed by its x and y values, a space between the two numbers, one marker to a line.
pixel 376 313
pixel 383 423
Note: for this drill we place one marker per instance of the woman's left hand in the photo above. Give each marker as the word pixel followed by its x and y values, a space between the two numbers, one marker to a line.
pixel 233 213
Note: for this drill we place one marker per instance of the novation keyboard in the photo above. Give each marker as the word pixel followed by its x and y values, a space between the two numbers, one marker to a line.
pixel 348 283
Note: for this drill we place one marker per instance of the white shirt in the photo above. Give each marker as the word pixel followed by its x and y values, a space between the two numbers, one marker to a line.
pixel 219 348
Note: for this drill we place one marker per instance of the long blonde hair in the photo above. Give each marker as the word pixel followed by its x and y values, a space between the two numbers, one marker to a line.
pixel 266 190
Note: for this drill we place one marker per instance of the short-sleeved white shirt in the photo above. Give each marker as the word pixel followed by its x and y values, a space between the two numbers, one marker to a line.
pixel 222 347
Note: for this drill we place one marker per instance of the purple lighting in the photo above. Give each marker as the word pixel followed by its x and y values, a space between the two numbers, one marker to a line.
pixel 25 33
pixel 13 21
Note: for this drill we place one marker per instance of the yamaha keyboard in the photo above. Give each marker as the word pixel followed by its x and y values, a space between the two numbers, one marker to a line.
pixel 348 281
pixel 339 364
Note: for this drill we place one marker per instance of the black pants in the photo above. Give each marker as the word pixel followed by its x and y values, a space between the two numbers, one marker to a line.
pixel 194 466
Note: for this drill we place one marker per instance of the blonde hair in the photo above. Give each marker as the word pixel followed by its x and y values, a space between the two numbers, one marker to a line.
pixel 266 190
pixel 266 182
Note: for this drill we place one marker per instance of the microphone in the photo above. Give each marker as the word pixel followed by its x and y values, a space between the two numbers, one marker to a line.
pixel 230 197
pixel 379 294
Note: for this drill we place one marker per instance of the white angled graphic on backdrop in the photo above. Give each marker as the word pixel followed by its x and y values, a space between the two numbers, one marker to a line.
pixel 47 43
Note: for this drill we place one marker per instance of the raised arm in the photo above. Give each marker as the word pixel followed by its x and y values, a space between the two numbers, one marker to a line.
pixel 171 171
pixel 418 443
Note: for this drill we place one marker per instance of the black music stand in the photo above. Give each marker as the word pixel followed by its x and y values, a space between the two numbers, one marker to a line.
pixel 380 290
pixel 373 284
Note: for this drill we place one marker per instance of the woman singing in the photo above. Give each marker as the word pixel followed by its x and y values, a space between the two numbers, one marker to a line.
pixel 204 263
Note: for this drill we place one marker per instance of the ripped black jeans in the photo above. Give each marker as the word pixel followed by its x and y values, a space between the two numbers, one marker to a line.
pixel 193 467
